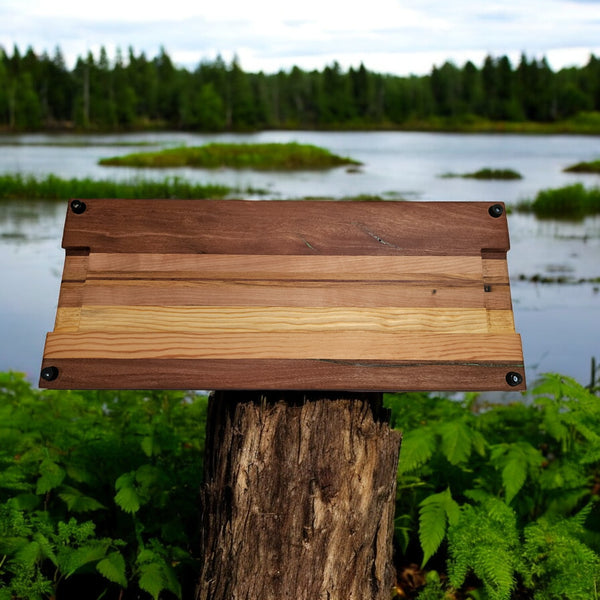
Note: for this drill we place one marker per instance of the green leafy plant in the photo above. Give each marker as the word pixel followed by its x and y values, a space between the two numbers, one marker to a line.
pixel 101 488
pixel 501 499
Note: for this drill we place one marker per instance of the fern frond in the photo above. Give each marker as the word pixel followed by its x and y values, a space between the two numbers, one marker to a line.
pixel 435 512
pixel 417 448
pixel 456 441
pixel 113 568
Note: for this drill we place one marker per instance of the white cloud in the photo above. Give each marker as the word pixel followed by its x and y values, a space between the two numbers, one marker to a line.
pixel 387 35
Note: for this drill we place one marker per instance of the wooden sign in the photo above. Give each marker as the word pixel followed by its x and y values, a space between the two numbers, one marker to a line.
pixel 231 294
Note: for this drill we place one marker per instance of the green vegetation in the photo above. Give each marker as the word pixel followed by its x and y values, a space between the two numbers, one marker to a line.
pixel 501 500
pixel 238 156
pixel 488 173
pixel 52 187
pixel 98 494
pixel 136 92
pixel 584 167
pixel 568 202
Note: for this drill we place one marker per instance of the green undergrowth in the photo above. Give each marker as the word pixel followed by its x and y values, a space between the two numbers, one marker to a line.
pixel 99 494
pixel 500 501
pixel 573 201
pixel 271 156
pixel 487 173
pixel 51 187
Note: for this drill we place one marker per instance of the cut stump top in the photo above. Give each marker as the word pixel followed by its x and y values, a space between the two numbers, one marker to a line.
pixel 303 295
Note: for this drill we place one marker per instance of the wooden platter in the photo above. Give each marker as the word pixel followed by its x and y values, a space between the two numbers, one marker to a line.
pixel 303 295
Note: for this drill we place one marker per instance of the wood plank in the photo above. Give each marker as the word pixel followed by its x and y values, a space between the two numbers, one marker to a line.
pixel 76 267
pixel 231 293
pixel 232 374
pixel 367 345
pixel 284 227
pixel 67 319
pixel 215 319
pixel 495 271
pixel 450 270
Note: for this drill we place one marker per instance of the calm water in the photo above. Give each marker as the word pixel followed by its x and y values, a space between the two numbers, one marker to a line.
pixel 559 324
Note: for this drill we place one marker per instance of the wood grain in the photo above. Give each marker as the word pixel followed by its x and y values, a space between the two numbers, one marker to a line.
pixel 297 295
pixel 451 270
pixel 217 319
pixel 285 227
pixel 284 293
pixel 226 374
pixel 365 345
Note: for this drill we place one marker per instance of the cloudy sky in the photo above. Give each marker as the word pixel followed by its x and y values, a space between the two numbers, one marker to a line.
pixel 392 36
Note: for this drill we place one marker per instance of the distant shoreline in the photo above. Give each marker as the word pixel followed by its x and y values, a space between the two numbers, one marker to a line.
pixel 569 127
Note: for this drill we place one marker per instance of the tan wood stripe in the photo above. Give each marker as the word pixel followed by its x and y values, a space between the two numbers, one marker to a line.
pixel 67 319
pixel 232 293
pixel 246 318
pixel 76 268
pixel 448 269
pixel 303 345
pixel 495 271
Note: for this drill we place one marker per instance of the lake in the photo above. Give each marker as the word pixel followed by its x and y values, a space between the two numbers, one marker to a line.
pixel 559 323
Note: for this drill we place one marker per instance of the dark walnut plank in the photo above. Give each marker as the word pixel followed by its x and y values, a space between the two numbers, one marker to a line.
pixel 286 227
pixel 283 375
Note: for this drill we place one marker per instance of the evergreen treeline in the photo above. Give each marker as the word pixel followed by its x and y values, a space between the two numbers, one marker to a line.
pixel 40 92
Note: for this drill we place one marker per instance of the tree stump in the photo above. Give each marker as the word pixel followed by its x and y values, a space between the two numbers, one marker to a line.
pixel 298 499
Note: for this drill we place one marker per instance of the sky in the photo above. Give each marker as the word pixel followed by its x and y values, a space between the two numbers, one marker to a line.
pixel 400 37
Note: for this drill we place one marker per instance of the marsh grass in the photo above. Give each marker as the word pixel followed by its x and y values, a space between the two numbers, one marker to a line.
pixel 51 187
pixel 584 167
pixel 487 173
pixel 568 202
pixel 276 157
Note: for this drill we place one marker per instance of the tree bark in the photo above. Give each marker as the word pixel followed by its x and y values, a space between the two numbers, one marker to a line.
pixel 298 499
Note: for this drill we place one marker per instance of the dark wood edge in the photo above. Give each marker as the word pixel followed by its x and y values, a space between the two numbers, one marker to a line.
pixel 226 374
pixel 287 227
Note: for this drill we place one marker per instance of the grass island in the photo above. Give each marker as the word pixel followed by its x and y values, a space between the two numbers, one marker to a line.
pixel 266 157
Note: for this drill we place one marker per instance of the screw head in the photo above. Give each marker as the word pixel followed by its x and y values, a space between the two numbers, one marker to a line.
pixel 78 207
pixel 513 378
pixel 496 210
pixel 49 373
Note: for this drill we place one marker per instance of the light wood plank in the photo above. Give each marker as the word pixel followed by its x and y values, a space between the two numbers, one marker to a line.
pixel 451 270
pixel 368 345
pixel 215 319
pixel 284 293
pixel 67 319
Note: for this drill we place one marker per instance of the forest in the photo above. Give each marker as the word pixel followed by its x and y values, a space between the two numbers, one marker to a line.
pixel 132 91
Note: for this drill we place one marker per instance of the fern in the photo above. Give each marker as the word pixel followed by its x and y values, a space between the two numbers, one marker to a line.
pixel 557 564
pixel 417 448
pixel 516 461
pixel 456 441
pixel 483 542
pixel 436 511
pixel 113 568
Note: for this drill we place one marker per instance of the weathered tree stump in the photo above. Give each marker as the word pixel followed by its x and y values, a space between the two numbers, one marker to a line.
pixel 298 499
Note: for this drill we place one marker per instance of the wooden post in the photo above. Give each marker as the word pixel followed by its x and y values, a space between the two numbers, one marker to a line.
pixel 299 496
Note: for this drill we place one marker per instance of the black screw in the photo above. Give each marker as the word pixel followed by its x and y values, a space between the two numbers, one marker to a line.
pixel 49 373
pixel 487 288
pixel 78 207
pixel 513 378
pixel 496 210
